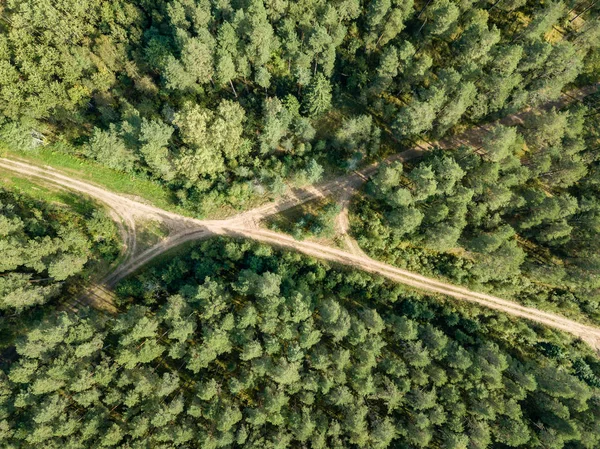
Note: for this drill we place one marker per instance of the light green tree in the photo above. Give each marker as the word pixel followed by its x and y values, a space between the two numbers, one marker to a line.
pixel 317 99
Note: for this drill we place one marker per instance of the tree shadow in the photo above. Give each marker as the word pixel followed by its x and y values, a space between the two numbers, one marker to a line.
pixel 78 203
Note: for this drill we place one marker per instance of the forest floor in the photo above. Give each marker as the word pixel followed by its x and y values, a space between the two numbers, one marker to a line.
pixel 177 229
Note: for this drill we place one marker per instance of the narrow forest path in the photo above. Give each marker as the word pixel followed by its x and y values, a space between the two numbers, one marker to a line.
pixel 184 229
pixel 342 224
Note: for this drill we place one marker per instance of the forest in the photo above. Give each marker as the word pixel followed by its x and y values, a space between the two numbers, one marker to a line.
pixel 228 343
pixel 519 215
pixel 224 101
pixel 234 344
pixel 44 247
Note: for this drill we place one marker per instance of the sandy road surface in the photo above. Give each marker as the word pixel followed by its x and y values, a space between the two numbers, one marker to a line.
pixel 184 229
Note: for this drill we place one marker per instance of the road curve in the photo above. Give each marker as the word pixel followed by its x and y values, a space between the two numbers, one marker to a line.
pixel 587 333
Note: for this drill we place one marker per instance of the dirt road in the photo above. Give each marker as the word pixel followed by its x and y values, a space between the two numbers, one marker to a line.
pixel 190 229
pixel 184 229
pixel 589 334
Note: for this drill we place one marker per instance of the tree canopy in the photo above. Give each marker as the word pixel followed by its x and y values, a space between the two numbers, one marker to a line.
pixel 189 92
pixel 234 344
pixel 517 215
pixel 43 247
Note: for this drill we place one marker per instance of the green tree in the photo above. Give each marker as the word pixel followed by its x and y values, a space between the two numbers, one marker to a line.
pixel 419 116
pixel 500 143
pixel 317 99
pixel 108 147
pixel 441 15
pixel 155 137
pixel 211 138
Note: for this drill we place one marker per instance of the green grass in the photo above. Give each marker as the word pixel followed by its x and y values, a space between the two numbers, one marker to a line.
pixel 299 221
pixel 150 233
pixel 41 191
pixel 287 219
pixel 148 191
pixel 35 190
pixel 94 172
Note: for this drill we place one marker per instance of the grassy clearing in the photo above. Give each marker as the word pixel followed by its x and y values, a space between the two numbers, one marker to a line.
pixel 49 193
pixel 128 184
pixel 314 219
pixel 34 189
pixel 286 220
pixel 150 233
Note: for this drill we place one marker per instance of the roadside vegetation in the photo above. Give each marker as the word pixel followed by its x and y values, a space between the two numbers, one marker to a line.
pixel 233 344
pixel 520 215
pixel 312 219
pixel 133 184
pixel 222 103
pixel 49 249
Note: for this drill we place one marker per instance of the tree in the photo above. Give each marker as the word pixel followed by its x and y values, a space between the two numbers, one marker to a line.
pixel 228 129
pixel 263 78
pixel 386 378
pixel 276 124
pixel 376 11
pixel 359 134
pixel 108 146
pixel 442 236
pixel 251 351
pixel 197 57
pixel 511 432
pixel 545 18
pixel 419 116
pixel 225 70
pixel 258 33
pixel 201 158
pixel 452 112
pixel 386 178
pixel 500 143
pixel 560 68
pixel 18 294
pixel 448 174
pixel 175 76
pixel 317 99
pixel 394 23
pixel 441 15
pixel 424 182
pixel 383 433
pixel 405 220
pixel 155 137
pixel 45 245
pixel 385 20
pixel 474 45
pixel 304 425
pixel 501 80
pixel 226 53
pixel 211 138
pixel 501 263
